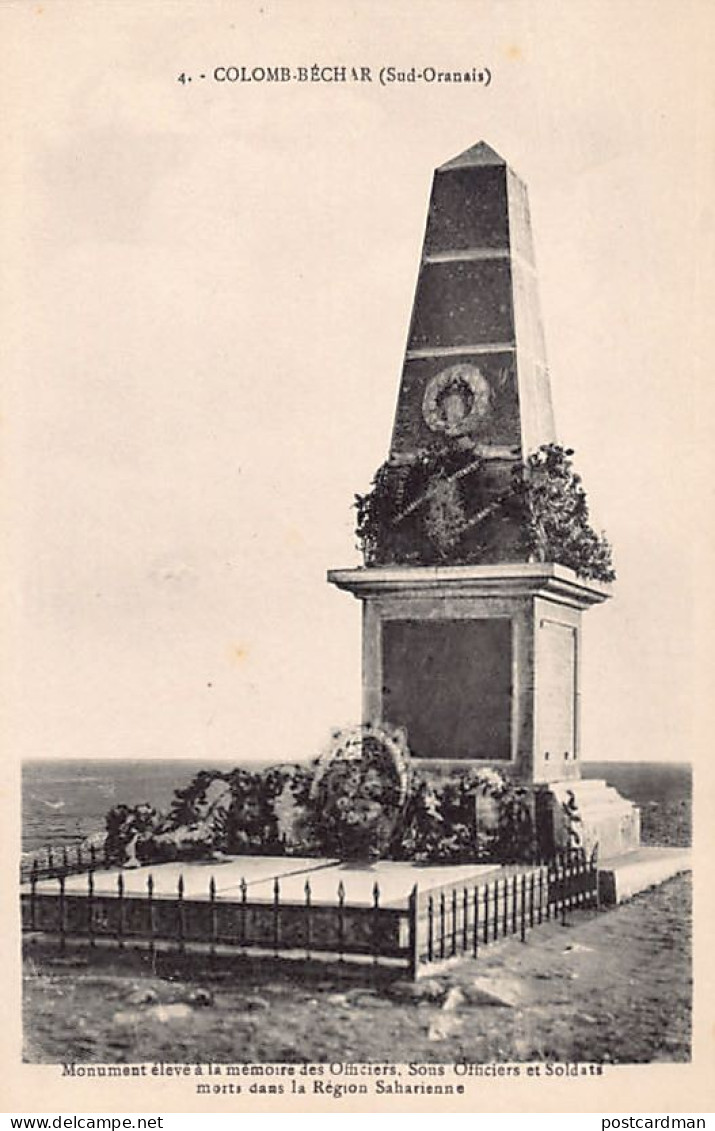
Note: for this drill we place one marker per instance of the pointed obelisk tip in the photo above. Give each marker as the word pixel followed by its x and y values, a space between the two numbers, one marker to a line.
pixel 479 154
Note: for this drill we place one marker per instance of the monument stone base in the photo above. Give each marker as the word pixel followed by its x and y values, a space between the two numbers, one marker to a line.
pixel 482 666
pixel 605 821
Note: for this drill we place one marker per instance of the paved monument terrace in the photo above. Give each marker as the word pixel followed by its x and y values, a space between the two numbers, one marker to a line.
pixel 396 879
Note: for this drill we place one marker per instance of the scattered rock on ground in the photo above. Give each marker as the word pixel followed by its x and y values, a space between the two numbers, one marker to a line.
pixel 426 989
pixel 496 990
pixel 142 996
pixel 252 1004
pixel 126 1017
pixel 201 997
pixel 177 1011
pixel 445 1025
pixel 454 1000
pixel 369 1001
pixel 337 999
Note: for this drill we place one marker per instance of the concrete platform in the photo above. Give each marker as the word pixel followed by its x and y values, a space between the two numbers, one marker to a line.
pixel 395 879
pixel 624 876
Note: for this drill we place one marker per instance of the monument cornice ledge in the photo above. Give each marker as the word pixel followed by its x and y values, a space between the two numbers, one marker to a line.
pixel 547 579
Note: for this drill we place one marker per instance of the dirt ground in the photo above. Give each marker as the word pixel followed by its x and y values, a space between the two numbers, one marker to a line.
pixel 610 987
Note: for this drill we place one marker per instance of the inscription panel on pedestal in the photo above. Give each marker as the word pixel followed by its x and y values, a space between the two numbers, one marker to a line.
pixel 449 682
pixel 557 691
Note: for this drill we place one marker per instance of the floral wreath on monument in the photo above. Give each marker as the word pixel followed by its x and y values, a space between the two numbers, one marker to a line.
pixel 464 382
pixel 442 506
pixel 360 787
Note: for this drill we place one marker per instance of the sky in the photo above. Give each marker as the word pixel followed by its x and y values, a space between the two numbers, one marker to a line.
pixel 204 328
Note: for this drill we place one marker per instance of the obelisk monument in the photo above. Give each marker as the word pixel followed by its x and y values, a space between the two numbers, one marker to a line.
pixel 472 638
pixel 476 319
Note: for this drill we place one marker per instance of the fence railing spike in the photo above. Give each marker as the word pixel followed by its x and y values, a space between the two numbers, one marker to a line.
pixel 413 950
pixel 276 914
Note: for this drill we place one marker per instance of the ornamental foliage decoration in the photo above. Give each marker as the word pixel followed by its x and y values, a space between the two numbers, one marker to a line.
pixel 363 799
pixel 449 505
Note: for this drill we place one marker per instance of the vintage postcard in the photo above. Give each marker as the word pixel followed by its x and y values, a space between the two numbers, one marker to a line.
pixel 358 500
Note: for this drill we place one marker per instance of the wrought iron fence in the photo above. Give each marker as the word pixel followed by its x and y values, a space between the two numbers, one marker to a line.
pixel 68 859
pixel 431 926
pixel 454 921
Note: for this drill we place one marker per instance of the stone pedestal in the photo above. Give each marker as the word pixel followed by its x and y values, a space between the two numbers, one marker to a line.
pixel 481 665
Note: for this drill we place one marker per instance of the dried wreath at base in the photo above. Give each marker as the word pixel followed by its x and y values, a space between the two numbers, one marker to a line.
pixel 218 812
pixel 471 816
pixel 361 800
pixel 360 787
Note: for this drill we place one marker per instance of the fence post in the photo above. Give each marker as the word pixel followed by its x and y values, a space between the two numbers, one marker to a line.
pixel 33 893
pixel 120 911
pixel 150 906
pixel 514 903
pixel 308 924
pixel 465 920
pixel 243 888
pixel 430 929
pixel 486 913
pixel 442 916
pixel 341 922
pixel 596 894
pixel 562 888
pixel 454 922
pixel 523 904
pixel 376 923
pixel 180 913
pixel 505 908
pixel 475 937
pixel 214 920
pixel 414 952
pixel 90 907
pixel 276 916
pixel 532 893
pixel 63 924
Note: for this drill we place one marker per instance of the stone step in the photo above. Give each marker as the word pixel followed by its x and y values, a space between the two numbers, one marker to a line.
pixel 624 876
